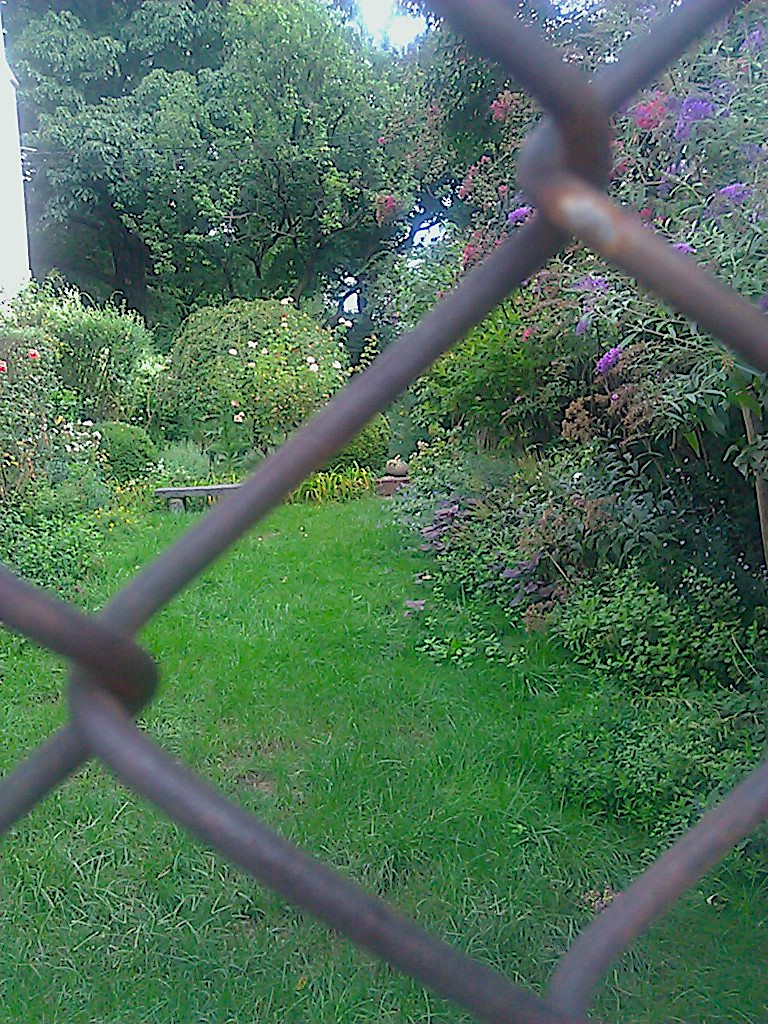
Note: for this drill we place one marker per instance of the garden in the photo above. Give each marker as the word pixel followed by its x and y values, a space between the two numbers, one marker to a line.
pixel 233 210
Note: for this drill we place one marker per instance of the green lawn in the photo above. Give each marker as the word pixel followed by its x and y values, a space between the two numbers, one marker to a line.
pixel 292 679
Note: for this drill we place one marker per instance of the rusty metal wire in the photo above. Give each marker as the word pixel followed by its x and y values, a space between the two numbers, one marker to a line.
pixel 564 169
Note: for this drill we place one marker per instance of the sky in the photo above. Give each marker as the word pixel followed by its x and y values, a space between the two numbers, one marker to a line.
pixel 381 19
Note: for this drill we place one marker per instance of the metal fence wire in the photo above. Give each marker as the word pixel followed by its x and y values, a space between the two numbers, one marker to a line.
pixel 564 171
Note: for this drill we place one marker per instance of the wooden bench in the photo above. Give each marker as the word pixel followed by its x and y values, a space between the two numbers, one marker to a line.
pixel 177 496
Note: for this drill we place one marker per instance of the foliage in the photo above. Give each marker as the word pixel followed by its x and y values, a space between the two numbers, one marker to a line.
pixel 102 355
pixel 369 449
pixel 245 375
pixel 48 537
pixel 659 763
pixel 344 483
pixel 187 152
pixel 183 463
pixel 41 434
pixel 129 450
pixel 642 638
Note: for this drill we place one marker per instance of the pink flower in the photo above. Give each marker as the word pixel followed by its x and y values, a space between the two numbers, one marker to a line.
pixel 33 354
pixel 648 116
pixel 3 366
pixel 526 334
pixel 382 140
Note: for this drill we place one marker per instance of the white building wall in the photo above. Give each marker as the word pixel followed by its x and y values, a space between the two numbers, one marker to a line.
pixel 14 249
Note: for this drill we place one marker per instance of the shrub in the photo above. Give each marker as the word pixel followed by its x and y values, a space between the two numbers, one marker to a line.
pixel 344 484
pixel 628 628
pixel 658 763
pixel 183 463
pixel 129 450
pixel 47 539
pixel 369 449
pixel 98 352
pixel 245 375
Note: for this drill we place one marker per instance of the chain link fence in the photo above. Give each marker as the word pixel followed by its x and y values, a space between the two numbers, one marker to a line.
pixel 564 171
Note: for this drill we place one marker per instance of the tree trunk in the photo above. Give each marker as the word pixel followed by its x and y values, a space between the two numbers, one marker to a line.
pixel 754 426
pixel 132 260
pixel 306 277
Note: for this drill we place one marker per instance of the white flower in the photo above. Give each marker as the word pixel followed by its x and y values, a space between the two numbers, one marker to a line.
pixel 233 351
pixel 87 423
pixel 336 364
pixel 263 351
pixel 314 367
pixel 239 417
pixel 311 359
pixel 287 301
pixel 251 366
pixel 251 344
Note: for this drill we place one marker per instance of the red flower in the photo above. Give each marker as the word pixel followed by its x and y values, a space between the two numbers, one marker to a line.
pixel 33 354
pixel 3 366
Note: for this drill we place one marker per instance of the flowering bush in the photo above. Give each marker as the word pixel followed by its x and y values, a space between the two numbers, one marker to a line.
pixel 245 375
pixel 101 354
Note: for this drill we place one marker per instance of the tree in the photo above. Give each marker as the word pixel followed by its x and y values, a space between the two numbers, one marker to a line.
pixel 181 152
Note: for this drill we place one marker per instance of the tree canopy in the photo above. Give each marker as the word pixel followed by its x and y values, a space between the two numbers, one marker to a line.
pixel 185 151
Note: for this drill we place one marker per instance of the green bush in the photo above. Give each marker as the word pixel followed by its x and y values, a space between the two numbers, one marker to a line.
pixel 183 463
pixel 130 451
pixel 658 763
pixel 245 375
pixel 101 354
pixel 369 449
pixel 47 539
pixel 335 485
pixel 628 628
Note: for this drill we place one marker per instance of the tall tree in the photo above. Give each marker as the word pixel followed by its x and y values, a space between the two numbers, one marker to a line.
pixel 181 151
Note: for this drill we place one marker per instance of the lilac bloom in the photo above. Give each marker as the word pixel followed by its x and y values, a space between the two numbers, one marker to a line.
pixel 583 325
pixel 737 193
pixel 725 199
pixel 608 360
pixel 591 283
pixel 684 247
pixel 519 215
pixel 753 152
pixel 692 109
pixel 754 41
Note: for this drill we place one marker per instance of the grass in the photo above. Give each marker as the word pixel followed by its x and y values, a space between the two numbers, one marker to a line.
pixel 293 680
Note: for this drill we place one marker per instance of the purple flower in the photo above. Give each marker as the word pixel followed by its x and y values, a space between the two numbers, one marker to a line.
pixel 591 283
pixel 684 247
pixel 725 199
pixel 583 324
pixel 753 152
pixel 614 397
pixel 607 360
pixel 519 215
pixel 737 193
pixel 692 109
pixel 723 89
pixel 754 40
